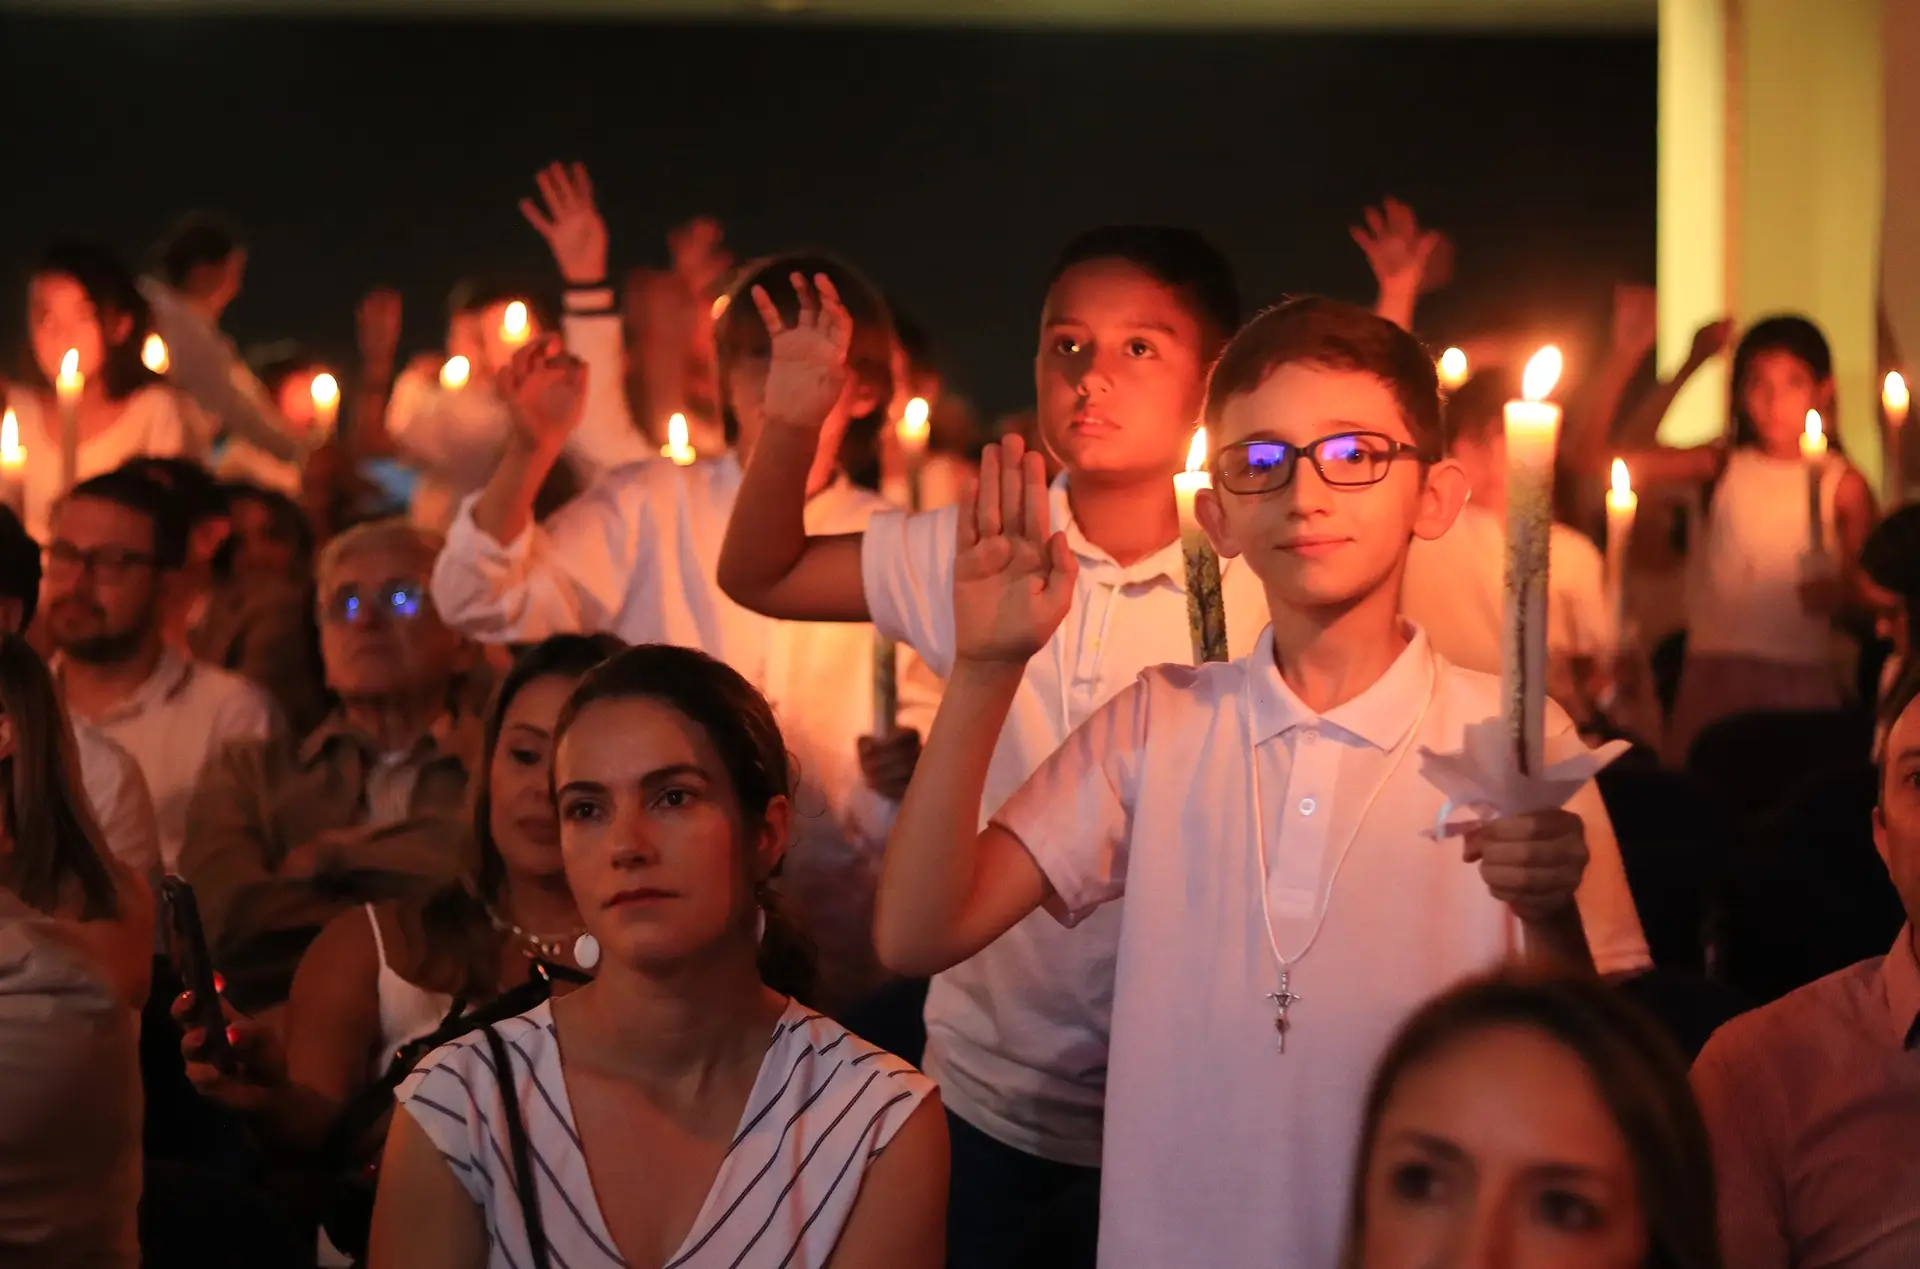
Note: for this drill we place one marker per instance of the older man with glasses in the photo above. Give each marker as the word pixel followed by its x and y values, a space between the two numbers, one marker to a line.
pixel 282 836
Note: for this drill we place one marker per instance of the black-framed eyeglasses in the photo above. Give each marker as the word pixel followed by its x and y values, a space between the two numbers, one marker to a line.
pixel 108 563
pixel 400 599
pixel 1345 460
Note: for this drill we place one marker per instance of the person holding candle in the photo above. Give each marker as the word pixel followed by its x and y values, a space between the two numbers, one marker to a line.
pixel 455 426
pixel 83 305
pixel 1455 585
pixel 1766 582
pixel 635 555
pixel 1269 820
pixel 1017 1036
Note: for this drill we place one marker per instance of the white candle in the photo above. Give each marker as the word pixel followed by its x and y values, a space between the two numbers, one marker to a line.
pixel 1206 611
pixel 1813 452
pixel 1533 435
pixel 515 325
pixel 1895 400
pixel 1452 369
pixel 914 431
pixel 1622 506
pixel 326 405
pixel 454 375
pixel 68 387
pixel 153 355
pixel 676 448
pixel 13 464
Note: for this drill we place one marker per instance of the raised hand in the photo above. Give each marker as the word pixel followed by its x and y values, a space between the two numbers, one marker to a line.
pixel 570 223
pixel 1635 320
pixel 1406 259
pixel 547 388
pixel 700 257
pixel 809 368
pixel 1012 577
pixel 377 328
pixel 1710 341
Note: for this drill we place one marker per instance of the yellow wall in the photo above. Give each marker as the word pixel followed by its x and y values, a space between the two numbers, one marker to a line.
pixel 1798 107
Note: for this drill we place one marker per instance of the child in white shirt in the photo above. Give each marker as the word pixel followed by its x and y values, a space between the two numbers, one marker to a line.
pixel 1267 818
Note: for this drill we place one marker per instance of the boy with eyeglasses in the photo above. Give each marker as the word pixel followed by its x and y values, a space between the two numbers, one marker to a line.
pixel 1267 819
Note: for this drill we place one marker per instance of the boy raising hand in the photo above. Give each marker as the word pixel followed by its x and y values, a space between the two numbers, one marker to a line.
pixel 1266 819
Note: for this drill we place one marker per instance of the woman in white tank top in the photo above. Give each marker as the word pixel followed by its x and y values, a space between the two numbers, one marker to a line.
pixel 679 1110
pixel 1763 592
pixel 379 977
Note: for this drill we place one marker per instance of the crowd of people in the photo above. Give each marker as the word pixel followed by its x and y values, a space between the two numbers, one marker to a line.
pixel 547 805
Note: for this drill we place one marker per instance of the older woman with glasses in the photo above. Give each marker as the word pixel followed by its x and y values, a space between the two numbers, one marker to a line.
pixel 284 836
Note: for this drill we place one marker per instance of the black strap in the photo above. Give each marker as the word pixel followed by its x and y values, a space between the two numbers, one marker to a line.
pixel 524 1184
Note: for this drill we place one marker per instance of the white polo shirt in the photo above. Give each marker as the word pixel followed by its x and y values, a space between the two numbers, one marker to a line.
pixel 1221 1151
pixel 1017 1036
pixel 180 717
pixel 118 794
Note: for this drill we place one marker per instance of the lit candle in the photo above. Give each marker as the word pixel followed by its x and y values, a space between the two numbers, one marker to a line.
pixel 1813 451
pixel 1452 369
pixel 1895 400
pixel 68 388
pixel 676 447
pixel 454 375
pixel 719 309
pixel 1206 610
pixel 1622 505
pixel 13 464
pixel 326 404
pixel 515 326
pixel 153 355
pixel 1533 434
pixel 914 431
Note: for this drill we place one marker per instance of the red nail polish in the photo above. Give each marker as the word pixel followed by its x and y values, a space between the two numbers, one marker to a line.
pixel 233 1035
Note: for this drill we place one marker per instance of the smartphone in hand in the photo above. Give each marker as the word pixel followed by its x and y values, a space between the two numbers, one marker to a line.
pixel 187 948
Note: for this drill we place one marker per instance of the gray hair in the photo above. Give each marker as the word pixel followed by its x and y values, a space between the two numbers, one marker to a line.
pixel 400 536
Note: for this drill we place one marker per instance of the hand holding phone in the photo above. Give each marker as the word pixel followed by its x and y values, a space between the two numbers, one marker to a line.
pixel 187 948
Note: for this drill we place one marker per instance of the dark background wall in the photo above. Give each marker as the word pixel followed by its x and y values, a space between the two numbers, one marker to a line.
pixel 950 163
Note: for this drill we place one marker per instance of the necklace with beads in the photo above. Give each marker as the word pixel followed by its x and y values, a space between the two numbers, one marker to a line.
pixel 547 947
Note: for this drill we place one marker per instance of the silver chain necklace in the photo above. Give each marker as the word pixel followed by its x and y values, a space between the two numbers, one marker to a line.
pixel 549 947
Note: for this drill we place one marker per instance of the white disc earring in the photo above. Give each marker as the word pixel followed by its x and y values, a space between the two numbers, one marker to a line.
pixel 586 951
pixel 760 925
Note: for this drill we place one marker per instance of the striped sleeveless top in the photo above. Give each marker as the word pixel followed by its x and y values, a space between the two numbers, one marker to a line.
pixel 825 1104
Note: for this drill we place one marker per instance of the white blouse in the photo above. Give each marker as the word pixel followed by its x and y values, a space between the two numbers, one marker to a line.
pixel 825 1105
pixel 155 422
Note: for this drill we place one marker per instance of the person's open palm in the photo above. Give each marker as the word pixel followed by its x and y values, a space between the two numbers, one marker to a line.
pixel 567 218
pixel 809 367
pixel 1012 577
pixel 1403 256
pixel 547 388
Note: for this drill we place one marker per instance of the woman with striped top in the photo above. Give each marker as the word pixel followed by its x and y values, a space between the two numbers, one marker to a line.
pixel 678 1113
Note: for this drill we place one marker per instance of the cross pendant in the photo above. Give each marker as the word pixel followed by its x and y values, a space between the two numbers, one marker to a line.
pixel 1283 1000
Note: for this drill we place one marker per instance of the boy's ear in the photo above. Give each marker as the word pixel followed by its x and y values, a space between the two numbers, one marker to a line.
pixel 1442 494
pixel 860 397
pixel 1213 519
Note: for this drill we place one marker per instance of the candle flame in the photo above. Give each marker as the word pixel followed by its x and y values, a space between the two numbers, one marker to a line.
pixel 917 413
pixel 326 390
pixel 1197 452
pixel 513 325
pixel 11 455
pixel 1813 427
pixel 153 355
pixel 70 364
pixel 1542 373
pixel 719 309
pixel 1894 394
pixel 455 373
pixel 677 432
pixel 1622 480
pixel 1453 368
